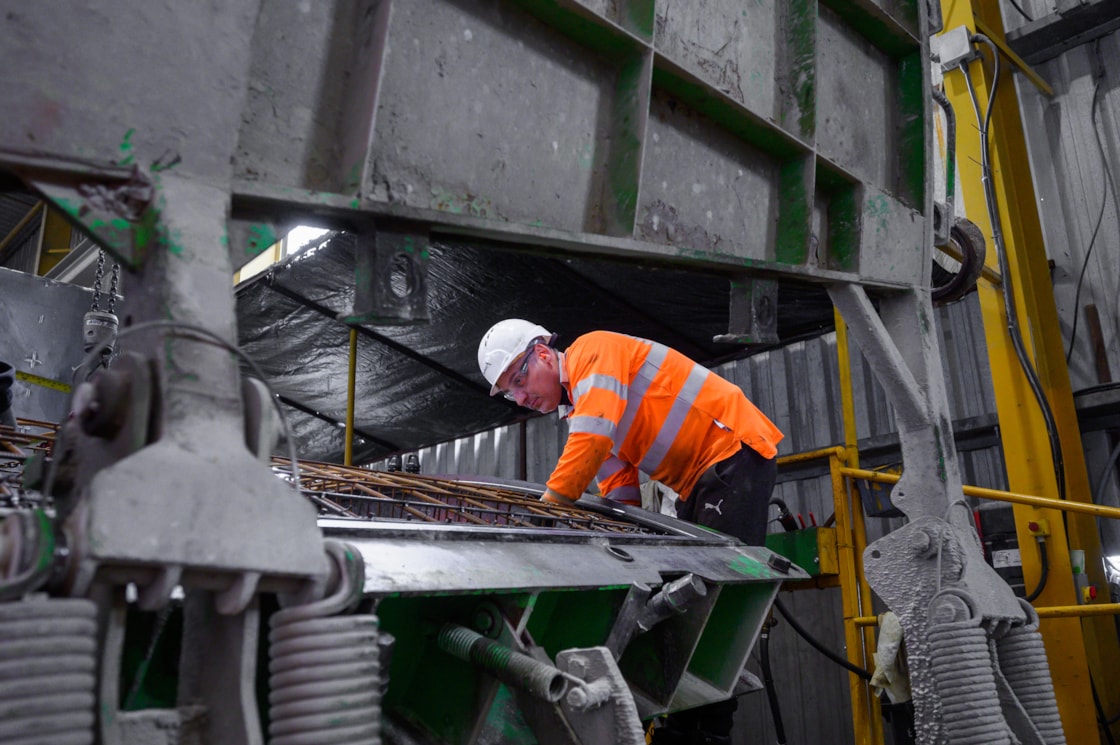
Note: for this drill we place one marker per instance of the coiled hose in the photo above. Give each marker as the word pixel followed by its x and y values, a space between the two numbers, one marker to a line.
pixel 962 670
pixel 324 674
pixel 507 665
pixel 1022 659
pixel 48 662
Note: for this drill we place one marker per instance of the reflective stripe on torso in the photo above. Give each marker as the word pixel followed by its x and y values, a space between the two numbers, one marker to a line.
pixel 639 404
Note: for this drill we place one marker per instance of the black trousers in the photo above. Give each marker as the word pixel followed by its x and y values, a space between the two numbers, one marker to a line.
pixel 733 497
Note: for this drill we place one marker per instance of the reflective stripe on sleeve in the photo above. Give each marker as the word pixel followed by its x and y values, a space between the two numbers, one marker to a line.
pixel 592 425
pixel 628 493
pixel 610 467
pixel 597 380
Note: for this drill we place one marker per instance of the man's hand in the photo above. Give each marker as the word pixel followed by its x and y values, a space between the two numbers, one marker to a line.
pixel 555 498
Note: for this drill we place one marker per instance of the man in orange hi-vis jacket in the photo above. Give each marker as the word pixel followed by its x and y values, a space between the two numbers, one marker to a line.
pixel 635 405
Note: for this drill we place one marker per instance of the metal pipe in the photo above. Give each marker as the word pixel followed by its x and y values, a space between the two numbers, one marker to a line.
pixel 1054 611
pixel 507 665
pixel 997 495
pixel 837 451
pixel 1067 611
pixel 348 456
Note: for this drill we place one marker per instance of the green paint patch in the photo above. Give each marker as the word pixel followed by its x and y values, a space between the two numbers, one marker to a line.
pixel 353 178
pixel 801 40
pixel 355 203
pixel 749 567
pixel 843 231
pixel 127 156
pixel 586 156
pixel 795 211
pixel 912 145
pixel 262 236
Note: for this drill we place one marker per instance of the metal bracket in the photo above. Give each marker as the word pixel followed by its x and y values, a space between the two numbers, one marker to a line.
pixel 603 709
pixel 391 275
pixel 753 317
pixel 112 203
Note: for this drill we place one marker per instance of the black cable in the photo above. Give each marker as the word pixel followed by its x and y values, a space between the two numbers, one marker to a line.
pixel 1044 557
pixel 768 680
pixel 1109 184
pixel 817 645
pixel 950 150
pixel 1098 388
pixel 784 516
pixel 1102 722
pixel 1005 273
pixel 1022 12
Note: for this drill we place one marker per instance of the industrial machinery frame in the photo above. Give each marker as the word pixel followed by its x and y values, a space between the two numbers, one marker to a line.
pixel 734 137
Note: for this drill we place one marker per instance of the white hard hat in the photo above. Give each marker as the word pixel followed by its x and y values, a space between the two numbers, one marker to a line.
pixel 503 343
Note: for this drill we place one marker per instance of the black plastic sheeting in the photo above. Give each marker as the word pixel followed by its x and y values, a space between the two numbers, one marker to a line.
pixel 419 385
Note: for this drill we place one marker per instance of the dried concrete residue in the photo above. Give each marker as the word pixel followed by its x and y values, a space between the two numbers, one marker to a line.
pixel 661 224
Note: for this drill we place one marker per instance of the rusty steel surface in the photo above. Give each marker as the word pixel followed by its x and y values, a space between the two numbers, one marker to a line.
pixel 30 438
pixel 343 491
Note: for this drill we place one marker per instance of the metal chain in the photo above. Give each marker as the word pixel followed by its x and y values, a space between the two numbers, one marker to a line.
pixel 97 277
pixel 113 282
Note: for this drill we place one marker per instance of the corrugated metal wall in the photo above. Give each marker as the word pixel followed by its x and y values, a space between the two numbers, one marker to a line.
pixel 1074 141
pixel 799 386
pixel 1075 149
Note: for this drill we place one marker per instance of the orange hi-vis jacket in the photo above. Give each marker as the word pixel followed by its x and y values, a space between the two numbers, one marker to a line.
pixel 637 404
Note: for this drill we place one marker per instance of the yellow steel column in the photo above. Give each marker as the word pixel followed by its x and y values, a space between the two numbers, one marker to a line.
pixel 54 240
pixel 862 721
pixel 1026 446
pixel 851 539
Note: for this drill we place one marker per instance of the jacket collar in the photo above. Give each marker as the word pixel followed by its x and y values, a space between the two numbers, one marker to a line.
pixel 564 409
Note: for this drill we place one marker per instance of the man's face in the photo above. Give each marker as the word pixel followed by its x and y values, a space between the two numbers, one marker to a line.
pixel 533 381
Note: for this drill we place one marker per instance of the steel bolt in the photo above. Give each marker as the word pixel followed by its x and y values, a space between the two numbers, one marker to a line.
pixel 920 542
pixel 483 620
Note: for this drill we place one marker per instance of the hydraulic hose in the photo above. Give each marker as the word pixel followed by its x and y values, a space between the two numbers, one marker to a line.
pixel 817 645
pixel 768 680
pixel 950 148
pixel 1001 253
pixel 1044 572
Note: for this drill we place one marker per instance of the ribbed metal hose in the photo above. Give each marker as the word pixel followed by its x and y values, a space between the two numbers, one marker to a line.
pixel 507 665
pixel 48 652
pixel 962 670
pixel 1022 659
pixel 324 672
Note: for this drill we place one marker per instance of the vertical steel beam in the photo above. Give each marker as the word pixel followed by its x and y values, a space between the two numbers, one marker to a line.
pixel 54 241
pixel 846 501
pixel 1073 647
